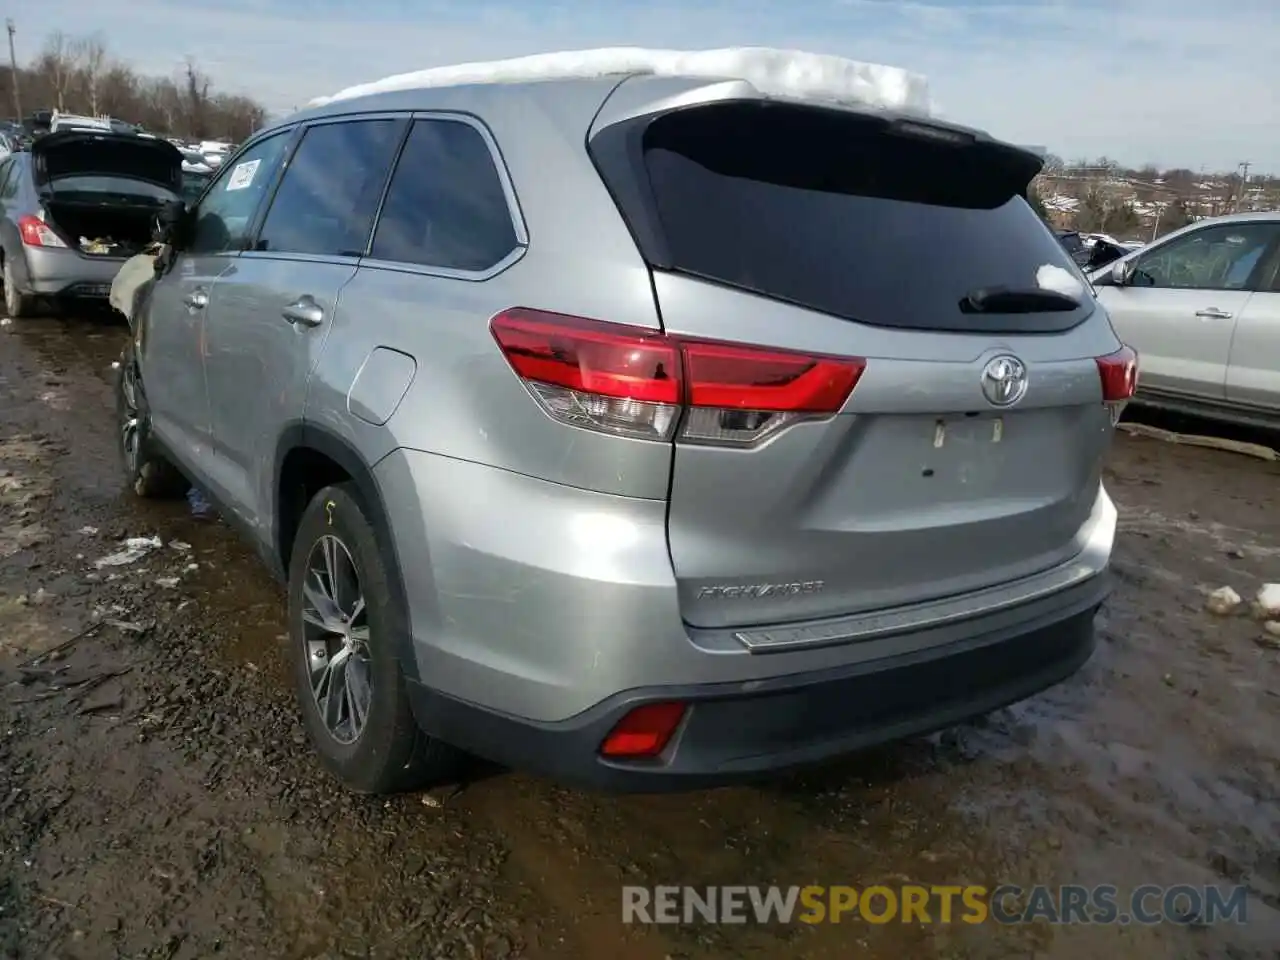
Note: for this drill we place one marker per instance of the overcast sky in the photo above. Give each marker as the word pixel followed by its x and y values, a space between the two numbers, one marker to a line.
pixel 1173 82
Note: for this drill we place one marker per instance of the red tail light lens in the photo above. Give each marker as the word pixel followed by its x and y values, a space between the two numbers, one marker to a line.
pixel 644 732
pixel 1119 373
pixel 635 382
pixel 36 233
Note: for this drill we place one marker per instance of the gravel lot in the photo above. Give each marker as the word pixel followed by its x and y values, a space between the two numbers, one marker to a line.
pixel 157 801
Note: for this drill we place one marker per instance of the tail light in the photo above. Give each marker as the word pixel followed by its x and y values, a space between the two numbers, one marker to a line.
pixel 1119 375
pixel 644 732
pixel 636 382
pixel 36 233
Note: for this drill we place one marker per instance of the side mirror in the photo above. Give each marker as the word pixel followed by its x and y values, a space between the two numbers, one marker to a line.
pixel 1121 272
pixel 171 224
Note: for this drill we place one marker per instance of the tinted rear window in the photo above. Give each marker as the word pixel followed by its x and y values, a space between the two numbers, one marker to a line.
pixel 120 186
pixel 833 211
pixel 445 206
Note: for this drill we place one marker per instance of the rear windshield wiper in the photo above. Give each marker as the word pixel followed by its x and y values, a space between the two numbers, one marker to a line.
pixel 1017 300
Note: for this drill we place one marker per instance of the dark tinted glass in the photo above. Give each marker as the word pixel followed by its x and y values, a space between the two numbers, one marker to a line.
pixel 446 206
pixel 329 193
pixel 845 216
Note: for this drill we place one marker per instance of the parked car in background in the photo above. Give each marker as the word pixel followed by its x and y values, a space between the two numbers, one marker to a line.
pixel 74 207
pixel 1202 307
pixel 1071 242
pixel 214 152
pixel 598 482
pixel 194 180
pixel 70 121
pixel 38 124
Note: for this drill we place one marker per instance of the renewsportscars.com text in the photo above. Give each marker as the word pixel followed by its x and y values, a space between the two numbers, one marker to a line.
pixel 971 904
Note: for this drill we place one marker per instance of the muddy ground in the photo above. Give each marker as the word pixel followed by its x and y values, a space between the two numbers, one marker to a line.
pixel 157 800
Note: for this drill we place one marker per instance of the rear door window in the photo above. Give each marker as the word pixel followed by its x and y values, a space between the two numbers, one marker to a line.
pixel 841 213
pixel 446 206
pixel 329 194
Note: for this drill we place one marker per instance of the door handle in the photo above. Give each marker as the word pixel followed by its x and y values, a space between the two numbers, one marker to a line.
pixel 196 300
pixel 1213 313
pixel 304 312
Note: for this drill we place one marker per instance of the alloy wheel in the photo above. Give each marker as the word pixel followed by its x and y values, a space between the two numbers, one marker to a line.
pixel 129 431
pixel 335 636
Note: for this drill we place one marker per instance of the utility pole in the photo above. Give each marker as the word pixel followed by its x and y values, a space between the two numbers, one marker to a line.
pixel 13 70
pixel 1244 183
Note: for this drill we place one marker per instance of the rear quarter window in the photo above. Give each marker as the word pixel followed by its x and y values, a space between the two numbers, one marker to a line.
pixel 446 206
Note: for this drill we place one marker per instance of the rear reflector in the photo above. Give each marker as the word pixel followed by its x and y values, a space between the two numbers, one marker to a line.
pixel 644 732
pixel 36 233
pixel 637 382
pixel 1119 373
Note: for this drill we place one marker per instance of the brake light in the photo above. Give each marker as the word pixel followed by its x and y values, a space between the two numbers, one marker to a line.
pixel 644 732
pixel 36 233
pixel 1119 374
pixel 636 382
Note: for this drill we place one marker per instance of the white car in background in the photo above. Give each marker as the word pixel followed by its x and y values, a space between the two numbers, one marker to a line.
pixel 72 121
pixel 215 152
pixel 1201 306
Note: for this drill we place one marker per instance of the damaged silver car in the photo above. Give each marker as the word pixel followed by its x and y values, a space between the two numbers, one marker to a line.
pixel 74 208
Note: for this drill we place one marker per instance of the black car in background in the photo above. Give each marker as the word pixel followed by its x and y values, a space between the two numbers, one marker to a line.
pixel 1071 242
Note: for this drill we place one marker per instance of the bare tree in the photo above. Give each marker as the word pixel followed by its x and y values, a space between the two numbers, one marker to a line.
pixel 197 93
pixel 91 52
pixel 57 62
pixel 118 91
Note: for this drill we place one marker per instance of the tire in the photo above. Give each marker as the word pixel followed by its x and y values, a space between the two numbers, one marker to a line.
pixel 386 752
pixel 148 474
pixel 16 305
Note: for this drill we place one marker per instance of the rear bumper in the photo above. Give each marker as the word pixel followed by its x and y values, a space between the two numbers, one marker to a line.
pixel 65 273
pixel 540 619
pixel 731 735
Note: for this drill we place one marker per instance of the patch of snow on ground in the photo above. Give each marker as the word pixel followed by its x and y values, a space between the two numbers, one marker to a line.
pixel 773 72
pixel 1268 599
pixel 1050 277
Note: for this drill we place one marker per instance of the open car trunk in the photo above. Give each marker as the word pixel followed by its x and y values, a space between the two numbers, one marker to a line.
pixel 102 191
pixel 102 227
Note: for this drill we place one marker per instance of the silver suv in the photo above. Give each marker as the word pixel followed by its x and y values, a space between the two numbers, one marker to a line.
pixel 643 432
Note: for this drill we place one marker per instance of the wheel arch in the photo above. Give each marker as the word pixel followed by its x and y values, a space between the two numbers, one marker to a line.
pixel 318 457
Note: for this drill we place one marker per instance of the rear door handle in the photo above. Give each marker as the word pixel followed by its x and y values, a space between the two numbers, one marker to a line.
pixel 1213 313
pixel 196 299
pixel 304 312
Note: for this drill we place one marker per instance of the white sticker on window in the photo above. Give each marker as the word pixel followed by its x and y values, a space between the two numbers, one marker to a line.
pixel 242 175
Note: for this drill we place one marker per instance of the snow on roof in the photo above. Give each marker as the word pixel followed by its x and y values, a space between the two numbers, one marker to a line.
pixel 773 72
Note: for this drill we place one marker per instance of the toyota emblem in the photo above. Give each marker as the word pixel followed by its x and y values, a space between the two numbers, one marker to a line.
pixel 1004 381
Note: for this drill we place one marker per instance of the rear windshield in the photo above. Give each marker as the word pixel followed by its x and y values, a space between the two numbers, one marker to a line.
pixel 835 212
pixel 120 186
